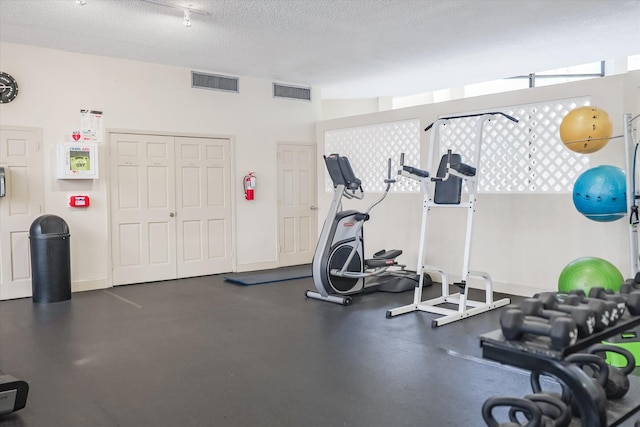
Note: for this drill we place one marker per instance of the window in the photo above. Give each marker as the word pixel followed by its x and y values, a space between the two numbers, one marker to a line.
pixel 567 74
pixel 544 78
pixel 494 86
pixel 633 62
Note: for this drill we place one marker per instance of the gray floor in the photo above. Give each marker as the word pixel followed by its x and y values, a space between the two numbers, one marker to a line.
pixel 205 352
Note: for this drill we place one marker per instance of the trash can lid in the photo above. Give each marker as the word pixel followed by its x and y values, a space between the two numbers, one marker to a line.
pixel 48 224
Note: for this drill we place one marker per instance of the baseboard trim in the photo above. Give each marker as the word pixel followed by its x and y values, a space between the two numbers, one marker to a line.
pixel 89 285
pixel 254 266
pixel 501 287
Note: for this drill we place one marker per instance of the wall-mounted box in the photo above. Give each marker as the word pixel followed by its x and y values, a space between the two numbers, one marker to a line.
pixel 77 160
pixel 79 201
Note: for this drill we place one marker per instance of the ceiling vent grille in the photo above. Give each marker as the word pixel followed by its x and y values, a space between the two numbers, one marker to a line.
pixel 214 81
pixel 291 92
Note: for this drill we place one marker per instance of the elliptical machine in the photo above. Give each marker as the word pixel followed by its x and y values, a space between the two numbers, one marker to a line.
pixel 339 268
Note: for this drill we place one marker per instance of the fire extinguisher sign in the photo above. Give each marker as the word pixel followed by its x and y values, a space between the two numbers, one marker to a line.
pixel 249 185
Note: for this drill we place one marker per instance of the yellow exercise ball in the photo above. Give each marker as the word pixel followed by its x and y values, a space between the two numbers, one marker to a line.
pixel 586 129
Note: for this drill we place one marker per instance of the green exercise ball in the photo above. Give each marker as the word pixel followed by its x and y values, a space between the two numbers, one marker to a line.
pixel 586 273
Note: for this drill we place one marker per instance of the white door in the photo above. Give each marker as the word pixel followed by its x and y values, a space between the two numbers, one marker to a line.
pixel 203 199
pixel 297 211
pixel 170 207
pixel 143 224
pixel 21 158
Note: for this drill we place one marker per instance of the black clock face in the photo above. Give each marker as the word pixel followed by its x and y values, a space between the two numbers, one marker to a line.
pixel 8 88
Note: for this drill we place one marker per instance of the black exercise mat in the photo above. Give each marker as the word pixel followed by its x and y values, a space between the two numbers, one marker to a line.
pixel 270 276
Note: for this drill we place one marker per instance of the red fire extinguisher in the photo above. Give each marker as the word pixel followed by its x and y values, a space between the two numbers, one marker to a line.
pixel 249 183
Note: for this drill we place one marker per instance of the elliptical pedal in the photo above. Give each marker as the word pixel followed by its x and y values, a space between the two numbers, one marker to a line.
pixel 388 254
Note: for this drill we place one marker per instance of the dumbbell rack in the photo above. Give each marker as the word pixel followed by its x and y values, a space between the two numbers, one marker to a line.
pixel 536 355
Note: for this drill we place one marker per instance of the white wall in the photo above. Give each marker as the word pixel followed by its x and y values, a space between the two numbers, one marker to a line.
pixel 55 85
pixel 334 108
pixel 523 241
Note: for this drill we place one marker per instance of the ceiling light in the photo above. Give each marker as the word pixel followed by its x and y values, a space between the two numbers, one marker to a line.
pixel 81 2
pixel 173 6
pixel 188 11
pixel 187 18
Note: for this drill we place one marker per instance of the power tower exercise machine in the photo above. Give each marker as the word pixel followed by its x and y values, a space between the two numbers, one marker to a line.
pixel 339 267
pixel 447 184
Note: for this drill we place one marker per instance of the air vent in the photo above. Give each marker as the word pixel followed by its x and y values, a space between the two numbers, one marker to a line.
pixel 292 92
pixel 214 81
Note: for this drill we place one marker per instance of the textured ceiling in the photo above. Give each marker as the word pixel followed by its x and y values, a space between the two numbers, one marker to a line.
pixel 348 48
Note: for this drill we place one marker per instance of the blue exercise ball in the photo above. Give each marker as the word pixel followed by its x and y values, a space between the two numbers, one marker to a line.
pixel 599 193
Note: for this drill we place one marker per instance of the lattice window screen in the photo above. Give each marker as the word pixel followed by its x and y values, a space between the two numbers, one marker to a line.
pixel 368 149
pixel 524 157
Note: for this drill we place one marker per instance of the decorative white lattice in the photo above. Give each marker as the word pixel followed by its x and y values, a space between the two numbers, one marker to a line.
pixel 524 157
pixel 369 148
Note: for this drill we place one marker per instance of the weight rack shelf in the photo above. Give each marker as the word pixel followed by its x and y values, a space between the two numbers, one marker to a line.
pixel 535 355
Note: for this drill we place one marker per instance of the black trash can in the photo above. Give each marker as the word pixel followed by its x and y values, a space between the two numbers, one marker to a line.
pixel 50 259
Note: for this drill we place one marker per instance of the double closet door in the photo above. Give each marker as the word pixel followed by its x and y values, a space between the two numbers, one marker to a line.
pixel 170 207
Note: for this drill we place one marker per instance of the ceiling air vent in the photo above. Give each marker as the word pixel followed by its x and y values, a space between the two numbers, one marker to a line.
pixel 292 92
pixel 214 81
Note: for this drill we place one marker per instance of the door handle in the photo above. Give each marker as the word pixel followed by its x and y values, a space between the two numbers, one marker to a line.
pixel 313 208
pixel 3 183
pixel 171 214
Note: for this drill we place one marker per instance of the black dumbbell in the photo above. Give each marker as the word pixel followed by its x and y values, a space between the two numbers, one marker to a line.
pixel 633 303
pixel 607 311
pixel 566 303
pixel 528 306
pixel 626 288
pixel 527 407
pixel 601 293
pixel 534 307
pixel 533 318
pixel 537 318
pixel 562 330
pixel 632 297
pixel 584 317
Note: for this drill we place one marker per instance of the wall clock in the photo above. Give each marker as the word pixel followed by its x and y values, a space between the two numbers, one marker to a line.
pixel 8 88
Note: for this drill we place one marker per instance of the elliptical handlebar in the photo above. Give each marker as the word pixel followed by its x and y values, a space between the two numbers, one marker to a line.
pixel 387 181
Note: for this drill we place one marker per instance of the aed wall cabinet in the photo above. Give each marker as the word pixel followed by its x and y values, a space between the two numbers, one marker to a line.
pixel 77 160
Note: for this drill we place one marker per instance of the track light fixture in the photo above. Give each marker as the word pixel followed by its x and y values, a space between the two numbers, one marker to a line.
pixel 186 10
pixel 187 18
